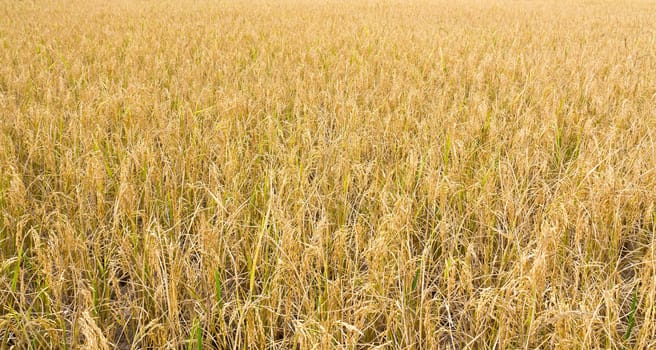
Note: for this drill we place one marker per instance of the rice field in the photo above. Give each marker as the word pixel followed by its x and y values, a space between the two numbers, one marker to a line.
pixel 295 174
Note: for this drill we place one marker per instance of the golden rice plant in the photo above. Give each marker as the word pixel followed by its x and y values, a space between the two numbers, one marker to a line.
pixel 295 174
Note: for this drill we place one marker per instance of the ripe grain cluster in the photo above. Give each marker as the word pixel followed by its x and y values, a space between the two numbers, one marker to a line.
pixel 292 174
